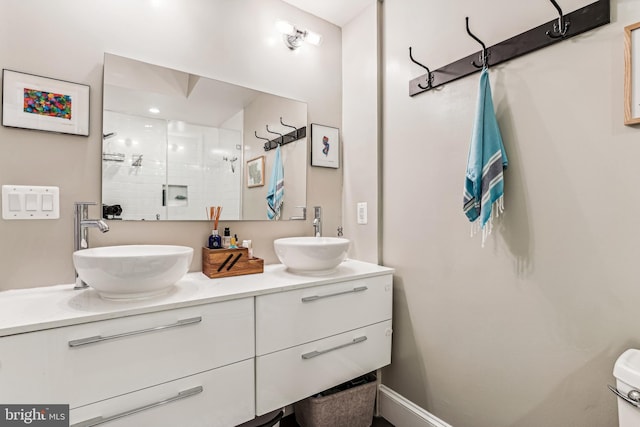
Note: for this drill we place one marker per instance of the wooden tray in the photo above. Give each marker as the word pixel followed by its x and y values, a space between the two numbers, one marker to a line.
pixel 229 262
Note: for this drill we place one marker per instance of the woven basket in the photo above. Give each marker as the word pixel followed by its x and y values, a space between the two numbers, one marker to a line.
pixel 352 407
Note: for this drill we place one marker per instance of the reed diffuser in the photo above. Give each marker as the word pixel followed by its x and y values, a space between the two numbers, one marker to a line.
pixel 213 213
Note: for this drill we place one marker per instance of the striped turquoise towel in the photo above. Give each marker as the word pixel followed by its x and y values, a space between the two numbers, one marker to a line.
pixel 484 184
pixel 275 194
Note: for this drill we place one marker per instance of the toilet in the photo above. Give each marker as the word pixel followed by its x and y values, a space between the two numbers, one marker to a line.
pixel 627 373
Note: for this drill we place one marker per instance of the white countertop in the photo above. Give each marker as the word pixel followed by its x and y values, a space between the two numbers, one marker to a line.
pixel 28 310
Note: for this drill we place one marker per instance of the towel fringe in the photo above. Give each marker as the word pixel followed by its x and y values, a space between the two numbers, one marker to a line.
pixel 497 208
pixel 475 227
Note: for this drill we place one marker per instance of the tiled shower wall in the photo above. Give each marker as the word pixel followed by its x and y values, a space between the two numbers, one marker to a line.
pixel 188 158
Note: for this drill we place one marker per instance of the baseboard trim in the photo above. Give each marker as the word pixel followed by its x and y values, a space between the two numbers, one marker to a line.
pixel 400 411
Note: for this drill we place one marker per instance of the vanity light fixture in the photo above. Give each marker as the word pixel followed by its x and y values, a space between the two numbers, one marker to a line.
pixel 293 36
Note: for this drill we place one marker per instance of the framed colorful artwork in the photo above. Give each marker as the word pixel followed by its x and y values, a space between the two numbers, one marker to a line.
pixel 325 146
pixel 632 74
pixel 255 172
pixel 40 103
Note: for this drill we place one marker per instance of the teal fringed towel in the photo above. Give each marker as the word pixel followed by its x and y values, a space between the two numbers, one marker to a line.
pixel 275 194
pixel 484 184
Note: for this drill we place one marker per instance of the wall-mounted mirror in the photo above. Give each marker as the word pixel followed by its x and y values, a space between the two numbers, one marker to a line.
pixel 175 143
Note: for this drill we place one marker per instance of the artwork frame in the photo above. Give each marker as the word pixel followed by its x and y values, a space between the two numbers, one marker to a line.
pixel 41 103
pixel 325 146
pixel 632 74
pixel 255 172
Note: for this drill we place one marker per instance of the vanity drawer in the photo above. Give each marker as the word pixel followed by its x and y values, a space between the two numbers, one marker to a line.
pixel 293 374
pixel 291 318
pixel 221 397
pixel 130 353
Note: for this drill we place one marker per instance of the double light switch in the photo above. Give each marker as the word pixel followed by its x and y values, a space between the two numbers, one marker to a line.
pixel 30 202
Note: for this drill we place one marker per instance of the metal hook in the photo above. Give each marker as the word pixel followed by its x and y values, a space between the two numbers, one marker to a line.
pixel 484 55
pixel 289 126
pixel 267 145
pixel 276 133
pixel 293 135
pixel 429 73
pixel 559 28
pixel 259 137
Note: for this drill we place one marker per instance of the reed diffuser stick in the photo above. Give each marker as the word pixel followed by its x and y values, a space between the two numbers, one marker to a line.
pixel 216 211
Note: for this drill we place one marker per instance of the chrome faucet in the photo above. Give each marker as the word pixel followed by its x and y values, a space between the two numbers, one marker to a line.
pixel 81 225
pixel 317 221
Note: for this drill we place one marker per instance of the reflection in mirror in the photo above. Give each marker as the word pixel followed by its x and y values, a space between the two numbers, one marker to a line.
pixel 175 143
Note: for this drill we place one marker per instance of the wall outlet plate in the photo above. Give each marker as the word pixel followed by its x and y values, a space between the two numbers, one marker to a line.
pixel 362 213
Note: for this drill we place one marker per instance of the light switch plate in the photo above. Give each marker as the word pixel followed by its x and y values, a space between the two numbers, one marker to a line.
pixel 362 212
pixel 30 202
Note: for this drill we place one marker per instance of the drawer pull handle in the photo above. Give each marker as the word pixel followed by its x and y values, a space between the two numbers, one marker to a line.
pixel 351 291
pixel 101 420
pixel 98 338
pixel 316 353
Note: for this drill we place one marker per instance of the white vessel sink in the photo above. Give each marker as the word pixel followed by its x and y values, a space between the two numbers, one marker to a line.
pixel 132 271
pixel 311 254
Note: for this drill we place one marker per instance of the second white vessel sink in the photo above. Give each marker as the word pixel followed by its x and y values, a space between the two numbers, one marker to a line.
pixel 315 255
pixel 132 271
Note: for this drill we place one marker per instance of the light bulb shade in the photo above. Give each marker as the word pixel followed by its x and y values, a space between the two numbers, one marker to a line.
pixel 313 38
pixel 284 27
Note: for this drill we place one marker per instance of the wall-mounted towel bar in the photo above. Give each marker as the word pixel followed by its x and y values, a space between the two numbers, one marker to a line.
pixel 282 139
pixel 565 26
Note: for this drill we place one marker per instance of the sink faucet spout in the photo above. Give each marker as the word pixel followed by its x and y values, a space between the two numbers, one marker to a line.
pixel 81 225
pixel 317 221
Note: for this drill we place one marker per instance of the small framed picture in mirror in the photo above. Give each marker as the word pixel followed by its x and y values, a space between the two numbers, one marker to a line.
pixel 325 146
pixel 255 172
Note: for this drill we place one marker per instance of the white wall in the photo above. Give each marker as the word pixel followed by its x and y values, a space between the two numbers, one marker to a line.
pixel 360 133
pixel 232 40
pixel 525 332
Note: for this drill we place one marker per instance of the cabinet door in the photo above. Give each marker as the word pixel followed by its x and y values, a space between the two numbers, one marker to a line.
pixel 82 364
pixel 286 376
pixel 221 397
pixel 291 318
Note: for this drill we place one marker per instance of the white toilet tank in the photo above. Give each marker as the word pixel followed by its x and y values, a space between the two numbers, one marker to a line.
pixel 627 373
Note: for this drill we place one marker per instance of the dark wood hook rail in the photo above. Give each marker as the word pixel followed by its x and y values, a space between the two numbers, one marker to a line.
pixel 582 20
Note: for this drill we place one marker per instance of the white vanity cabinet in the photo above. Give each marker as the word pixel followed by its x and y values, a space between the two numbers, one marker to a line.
pixel 212 353
pixel 199 346
pixel 311 339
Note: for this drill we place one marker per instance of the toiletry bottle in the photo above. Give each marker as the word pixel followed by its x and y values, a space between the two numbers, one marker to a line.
pixel 226 238
pixel 215 242
pixel 247 244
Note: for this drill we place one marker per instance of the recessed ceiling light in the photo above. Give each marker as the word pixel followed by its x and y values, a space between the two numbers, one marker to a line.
pixel 154 110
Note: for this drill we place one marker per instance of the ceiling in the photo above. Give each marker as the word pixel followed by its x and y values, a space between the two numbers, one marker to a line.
pixel 338 12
